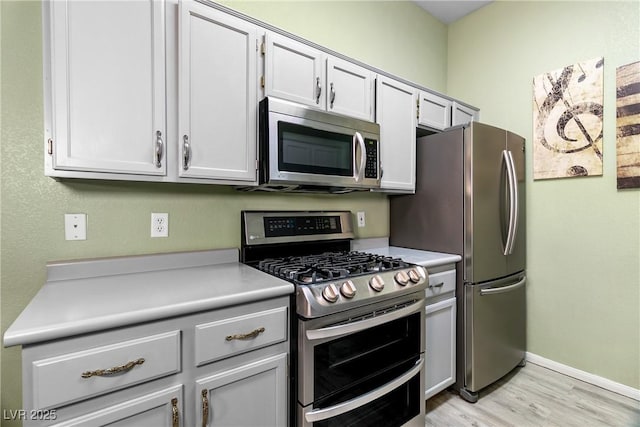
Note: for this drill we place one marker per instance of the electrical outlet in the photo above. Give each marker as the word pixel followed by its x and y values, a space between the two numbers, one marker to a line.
pixel 361 221
pixel 159 225
pixel 75 226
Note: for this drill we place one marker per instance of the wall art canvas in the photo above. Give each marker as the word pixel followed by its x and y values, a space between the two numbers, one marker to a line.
pixel 628 125
pixel 567 121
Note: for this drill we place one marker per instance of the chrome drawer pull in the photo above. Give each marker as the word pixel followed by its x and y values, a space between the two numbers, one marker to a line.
pixel 248 336
pixel 437 285
pixel 112 371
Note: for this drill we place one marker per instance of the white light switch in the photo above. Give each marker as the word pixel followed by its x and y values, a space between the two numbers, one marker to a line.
pixel 75 226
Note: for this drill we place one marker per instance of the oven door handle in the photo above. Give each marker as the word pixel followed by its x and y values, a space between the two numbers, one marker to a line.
pixel 350 328
pixel 349 405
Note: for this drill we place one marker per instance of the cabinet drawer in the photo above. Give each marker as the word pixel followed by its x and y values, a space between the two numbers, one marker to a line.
pixel 224 338
pixel 441 283
pixel 70 377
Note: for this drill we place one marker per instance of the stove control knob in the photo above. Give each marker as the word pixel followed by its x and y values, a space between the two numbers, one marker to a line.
pixel 330 293
pixel 376 283
pixel 414 276
pixel 402 278
pixel 348 289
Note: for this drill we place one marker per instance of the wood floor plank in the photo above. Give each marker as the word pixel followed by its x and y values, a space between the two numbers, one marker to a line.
pixel 534 396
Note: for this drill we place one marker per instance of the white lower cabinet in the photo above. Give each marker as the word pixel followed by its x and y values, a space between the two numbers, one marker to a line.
pixel 440 351
pixel 251 394
pixel 159 409
pixel 235 358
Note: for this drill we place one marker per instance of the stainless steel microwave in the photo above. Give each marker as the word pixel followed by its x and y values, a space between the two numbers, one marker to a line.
pixel 302 149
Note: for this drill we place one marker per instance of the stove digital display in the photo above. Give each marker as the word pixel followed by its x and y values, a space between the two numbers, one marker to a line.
pixel 300 226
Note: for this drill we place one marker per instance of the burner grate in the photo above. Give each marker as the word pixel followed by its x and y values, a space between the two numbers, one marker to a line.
pixel 328 266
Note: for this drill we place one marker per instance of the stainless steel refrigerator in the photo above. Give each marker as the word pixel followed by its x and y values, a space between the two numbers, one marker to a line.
pixel 470 200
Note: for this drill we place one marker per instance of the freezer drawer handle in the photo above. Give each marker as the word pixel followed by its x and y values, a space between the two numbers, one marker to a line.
pixel 493 291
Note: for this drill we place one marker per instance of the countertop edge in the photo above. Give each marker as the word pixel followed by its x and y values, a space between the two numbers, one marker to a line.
pixel 39 335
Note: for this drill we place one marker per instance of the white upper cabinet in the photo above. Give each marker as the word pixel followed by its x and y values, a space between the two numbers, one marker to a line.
pixel 350 89
pixel 462 115
pixel 396 115
pixel 217 95
pixel 105 87
pixel 294 71
pixel 434 111
pixel 297 72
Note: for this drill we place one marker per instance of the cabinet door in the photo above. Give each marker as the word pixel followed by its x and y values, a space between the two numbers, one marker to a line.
pixel 349 89
pixel 217 95
pixel 396 115
pixel 107 86
pixel 253 394
pixel 440 348
pixel 159 409
pixel 294 71
pixel 462 115
pixel 434 111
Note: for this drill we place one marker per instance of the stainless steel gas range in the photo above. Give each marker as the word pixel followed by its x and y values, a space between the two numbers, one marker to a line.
pixel 357 322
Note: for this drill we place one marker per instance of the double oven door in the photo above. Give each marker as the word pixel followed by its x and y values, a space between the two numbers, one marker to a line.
pixel 363 367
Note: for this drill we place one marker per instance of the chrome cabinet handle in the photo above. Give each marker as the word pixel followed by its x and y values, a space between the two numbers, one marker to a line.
pixel 248 336
pixel 113 371
pixel 332 95
pixel 318 90
pixel 437 285
pixel 175 415
pixel 159 149
pixel 205 408
pixel 186 152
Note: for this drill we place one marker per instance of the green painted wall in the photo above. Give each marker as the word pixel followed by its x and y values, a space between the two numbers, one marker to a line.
pixel 200 216
pixel 583 235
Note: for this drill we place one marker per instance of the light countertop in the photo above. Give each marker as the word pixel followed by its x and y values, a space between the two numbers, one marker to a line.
pixel 428 259
pixel 88 296
pixel 424 258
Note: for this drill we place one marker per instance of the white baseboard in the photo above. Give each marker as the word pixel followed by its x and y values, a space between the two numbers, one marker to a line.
pixel 605 383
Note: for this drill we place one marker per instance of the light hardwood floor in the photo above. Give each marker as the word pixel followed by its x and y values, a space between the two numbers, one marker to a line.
pixel 534 396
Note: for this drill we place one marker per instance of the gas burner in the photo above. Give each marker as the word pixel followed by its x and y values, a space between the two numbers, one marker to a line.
pixel 328 266
pixel 312 251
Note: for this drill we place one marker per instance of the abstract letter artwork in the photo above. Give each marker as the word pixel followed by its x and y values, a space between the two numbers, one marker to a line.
pixel 628 124
pixel 567 121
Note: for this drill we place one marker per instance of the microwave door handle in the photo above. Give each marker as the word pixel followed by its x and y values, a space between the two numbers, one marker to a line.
pixel 359 168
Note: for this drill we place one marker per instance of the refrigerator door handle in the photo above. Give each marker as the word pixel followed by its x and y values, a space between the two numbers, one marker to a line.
pixel 514 203
pixel 503 289
pixel 508 161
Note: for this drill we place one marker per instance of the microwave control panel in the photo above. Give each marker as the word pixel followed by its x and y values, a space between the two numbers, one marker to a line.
pixel 371 167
